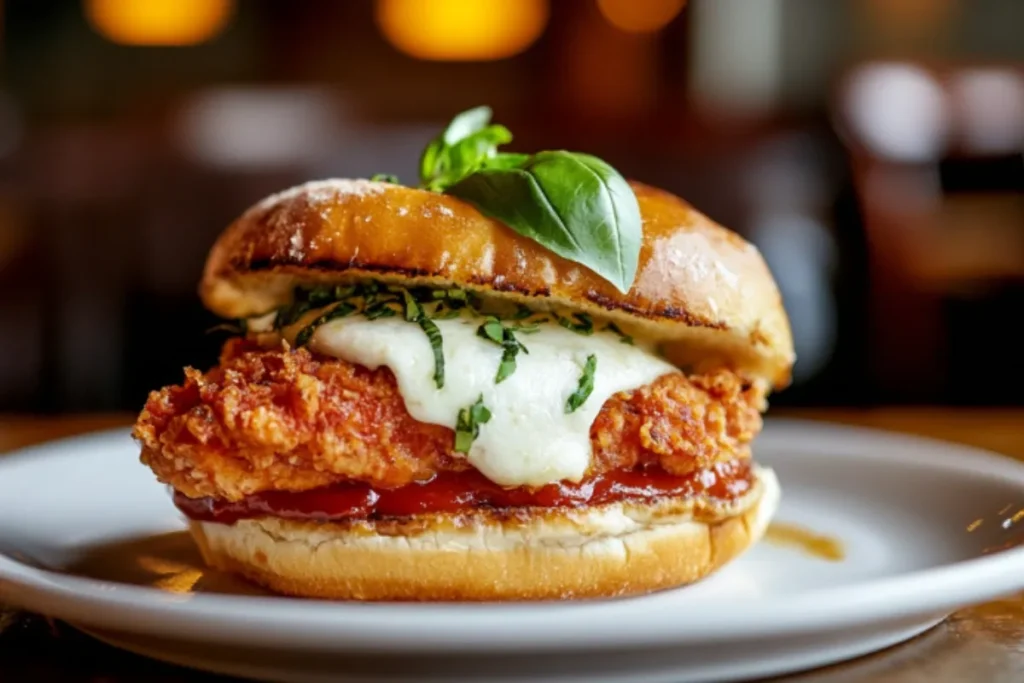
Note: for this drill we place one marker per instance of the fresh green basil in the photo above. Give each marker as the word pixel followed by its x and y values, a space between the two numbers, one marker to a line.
pixel 385 178
pixel 623 337
pixel 436 345
pixel 467 425
pixel 585 387
pixel 413 311
pixel 493 330
pixel 580 323
pixel 339 311
pixel 574 204
pixel 470 142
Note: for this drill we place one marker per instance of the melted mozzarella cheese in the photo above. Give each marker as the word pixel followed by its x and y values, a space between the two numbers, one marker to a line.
pixel 530 440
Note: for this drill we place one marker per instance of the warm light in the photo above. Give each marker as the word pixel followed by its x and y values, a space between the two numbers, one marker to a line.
pixel 462 30
pixel 159 22
pixel 640 16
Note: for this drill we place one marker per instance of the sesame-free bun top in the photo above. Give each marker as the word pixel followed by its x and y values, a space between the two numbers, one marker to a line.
pixel 701 291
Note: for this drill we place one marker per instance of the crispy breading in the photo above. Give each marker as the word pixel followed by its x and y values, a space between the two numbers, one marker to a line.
pixel 287 419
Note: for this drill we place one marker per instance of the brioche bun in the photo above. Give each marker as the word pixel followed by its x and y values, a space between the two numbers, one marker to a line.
pixel 702 292
pixel 526 554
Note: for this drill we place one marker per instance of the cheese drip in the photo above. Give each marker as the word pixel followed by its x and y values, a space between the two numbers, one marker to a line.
pixel 530 440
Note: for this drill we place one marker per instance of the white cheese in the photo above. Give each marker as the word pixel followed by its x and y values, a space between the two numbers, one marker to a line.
pixel 530 440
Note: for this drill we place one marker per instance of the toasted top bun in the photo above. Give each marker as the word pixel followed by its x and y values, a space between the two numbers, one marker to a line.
pixel 701 292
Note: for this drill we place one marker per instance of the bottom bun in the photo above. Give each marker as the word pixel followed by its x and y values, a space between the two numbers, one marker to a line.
pixel 611 550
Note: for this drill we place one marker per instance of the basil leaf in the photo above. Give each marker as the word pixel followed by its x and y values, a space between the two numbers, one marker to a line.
pixel 492 329
pixel 580 323
pixel 573 204
pixel 413 312
pixel 438 157
pixel 466 123
pixel 456 161
pixel 381 309
pixel 623 337
pixel 522 312
pixel 385 178
pixel 505 160
pixel 306 333
pixel 434 335
pixel 505 337
pixel 585 388
pixel 467 425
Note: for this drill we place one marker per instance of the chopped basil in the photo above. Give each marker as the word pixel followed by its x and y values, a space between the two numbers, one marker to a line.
pixel 522 312
pixel 623 337
pixel 434 335
pixel 467 426
pixel 413 312
pixel 381 309
pixel 290 314
pixel 586 386
pixel 580 323
pixel 505 337
pixel 385 178
pixel 442 314
pixel 339 311
pixel 508 361
pixel 307 299
pixel 493 330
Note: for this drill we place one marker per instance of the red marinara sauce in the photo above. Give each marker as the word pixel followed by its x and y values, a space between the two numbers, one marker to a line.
pixel 459 491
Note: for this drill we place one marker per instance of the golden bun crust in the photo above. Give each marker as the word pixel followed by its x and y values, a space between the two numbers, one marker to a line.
pixel 701 291
pixel 614 550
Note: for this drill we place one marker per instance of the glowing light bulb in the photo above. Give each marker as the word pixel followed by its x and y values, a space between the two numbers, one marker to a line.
pixel 158 22
pixel 640 16
pixel 461 30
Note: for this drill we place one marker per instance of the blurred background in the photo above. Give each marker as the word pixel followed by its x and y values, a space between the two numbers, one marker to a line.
pixel 872 149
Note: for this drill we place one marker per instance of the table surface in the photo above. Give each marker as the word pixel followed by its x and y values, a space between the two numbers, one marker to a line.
pixel 984 643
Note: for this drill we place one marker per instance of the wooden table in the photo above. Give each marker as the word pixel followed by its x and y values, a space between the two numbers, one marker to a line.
pixel 983 644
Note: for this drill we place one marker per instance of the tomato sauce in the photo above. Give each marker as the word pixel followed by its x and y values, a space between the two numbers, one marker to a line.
pixel 460 491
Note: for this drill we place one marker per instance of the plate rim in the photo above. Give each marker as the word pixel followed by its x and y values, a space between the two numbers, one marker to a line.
pixel 385 627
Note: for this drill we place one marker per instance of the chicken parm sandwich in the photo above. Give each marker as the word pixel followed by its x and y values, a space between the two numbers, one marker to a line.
pixel 524 378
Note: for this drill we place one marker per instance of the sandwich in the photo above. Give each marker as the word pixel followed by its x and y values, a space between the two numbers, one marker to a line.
pixel 521 378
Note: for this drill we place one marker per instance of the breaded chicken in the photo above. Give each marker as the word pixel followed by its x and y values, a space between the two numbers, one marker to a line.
pixel 288 419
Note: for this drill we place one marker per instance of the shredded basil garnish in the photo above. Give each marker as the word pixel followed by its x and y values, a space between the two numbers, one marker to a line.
pixel 467 426
pixel 442 314
pixel 522 312
pixel 526 329
pixel 493 330
pixel 385 178
pixel 339 311
pixel 434 335
pixel 413 312
pixel 508 360
pixel 586 386
pixel 381 309
pixel 623 337
pixel 580 323
pixel 505 337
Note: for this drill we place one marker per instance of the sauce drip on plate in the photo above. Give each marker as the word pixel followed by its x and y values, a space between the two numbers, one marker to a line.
pixel 817 545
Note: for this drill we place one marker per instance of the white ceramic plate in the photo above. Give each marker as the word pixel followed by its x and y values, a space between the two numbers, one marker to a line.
pixel 88 536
